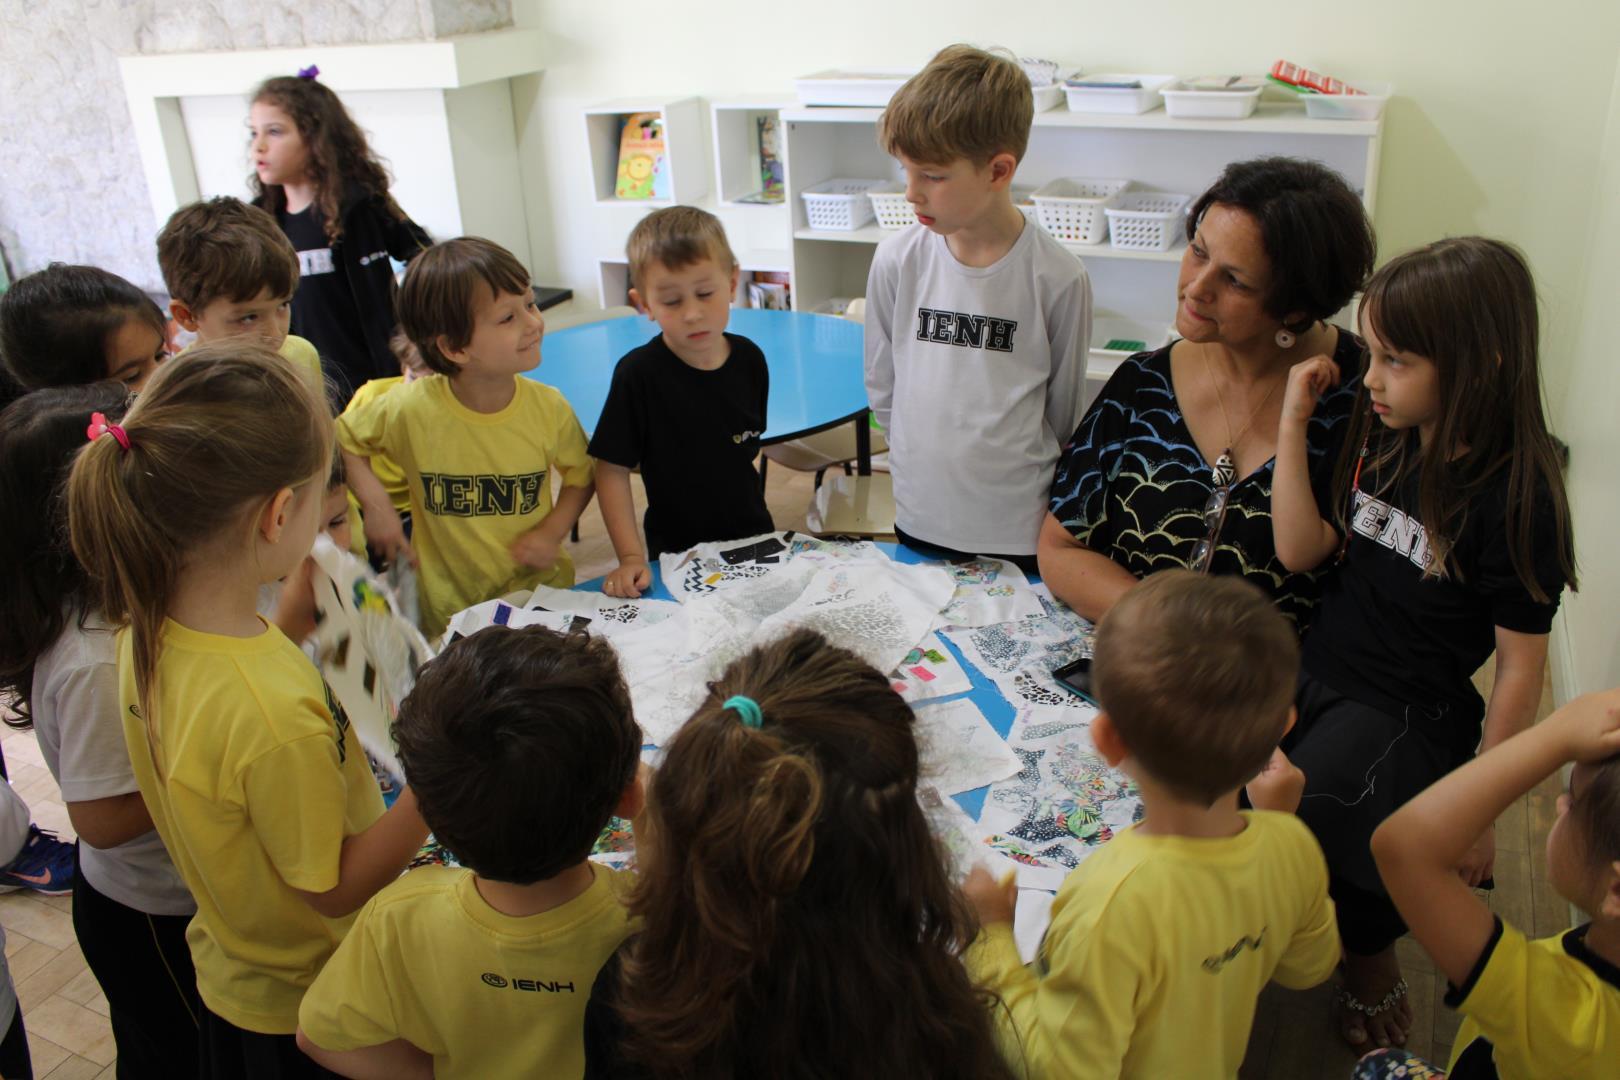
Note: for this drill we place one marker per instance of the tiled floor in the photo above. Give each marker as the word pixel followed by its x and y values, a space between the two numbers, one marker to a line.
pixel 1294 1038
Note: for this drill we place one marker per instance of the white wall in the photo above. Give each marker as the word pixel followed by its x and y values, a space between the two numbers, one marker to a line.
pixel 406 128
pixel 1587 641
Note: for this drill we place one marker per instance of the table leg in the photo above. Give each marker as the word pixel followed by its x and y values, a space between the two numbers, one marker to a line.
pixel 863 443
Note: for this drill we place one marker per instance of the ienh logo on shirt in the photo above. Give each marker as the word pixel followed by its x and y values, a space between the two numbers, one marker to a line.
pixel 968 331
pixel 482 494
pixel 500 982
pixel 1390 527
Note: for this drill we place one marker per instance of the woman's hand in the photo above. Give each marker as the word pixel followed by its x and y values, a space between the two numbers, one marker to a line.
pixel 1308 380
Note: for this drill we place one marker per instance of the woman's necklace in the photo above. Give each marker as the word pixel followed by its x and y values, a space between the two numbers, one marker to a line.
pixel 1225 470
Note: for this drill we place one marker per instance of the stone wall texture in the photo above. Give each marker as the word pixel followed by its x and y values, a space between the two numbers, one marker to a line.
pixel 71 184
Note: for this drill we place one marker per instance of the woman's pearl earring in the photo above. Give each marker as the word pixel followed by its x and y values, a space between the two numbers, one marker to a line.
pixel 1285 339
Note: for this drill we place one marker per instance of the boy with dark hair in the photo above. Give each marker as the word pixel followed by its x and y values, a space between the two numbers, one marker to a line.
pixel 230 270
pixel 687 408
pixel 1161 942
pixel 519 745
pixel 476 441
pixel 977 324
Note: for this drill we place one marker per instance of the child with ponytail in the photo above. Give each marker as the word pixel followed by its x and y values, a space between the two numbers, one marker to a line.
pixel 799 920
pixel 316 175
pixel 211 486
pixel 58 664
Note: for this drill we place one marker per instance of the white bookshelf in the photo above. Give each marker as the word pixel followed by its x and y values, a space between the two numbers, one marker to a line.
pixel 684 155
pixel 1153 150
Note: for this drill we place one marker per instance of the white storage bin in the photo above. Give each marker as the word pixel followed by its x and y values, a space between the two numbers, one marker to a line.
pixel 1367 105
pixel 1147 220
pixel 1183 103
pixel 840 204
pixel 892 208
pixel 1046 97
pixel 1118 100
pixel 872 88
pixel 1072 210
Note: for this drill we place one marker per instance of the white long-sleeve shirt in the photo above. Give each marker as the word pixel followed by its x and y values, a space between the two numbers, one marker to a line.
pixel 977 374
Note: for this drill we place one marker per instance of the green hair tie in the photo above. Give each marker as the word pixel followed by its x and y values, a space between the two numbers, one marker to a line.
pixel 747 709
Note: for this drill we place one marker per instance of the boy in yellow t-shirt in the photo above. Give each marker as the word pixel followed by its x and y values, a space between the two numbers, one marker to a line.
pixel 477 442
pixel 1161 942
pixel 231 270
pixel 519 745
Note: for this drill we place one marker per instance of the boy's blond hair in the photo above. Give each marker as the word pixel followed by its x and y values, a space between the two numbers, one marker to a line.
pixel 1197 674
pixel 967 103
pixel 225 248
pixel 675 238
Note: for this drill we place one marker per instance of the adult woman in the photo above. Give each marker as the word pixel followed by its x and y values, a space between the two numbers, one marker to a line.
pixel 1172 464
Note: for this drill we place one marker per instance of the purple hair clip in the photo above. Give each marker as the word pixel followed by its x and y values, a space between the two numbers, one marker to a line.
pixel 310 72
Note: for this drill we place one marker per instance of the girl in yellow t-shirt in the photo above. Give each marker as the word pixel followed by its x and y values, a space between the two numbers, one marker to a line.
pixel 210 487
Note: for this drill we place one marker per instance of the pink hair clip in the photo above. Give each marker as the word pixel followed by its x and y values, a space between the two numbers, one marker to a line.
pixel 310 72
pixel 99 427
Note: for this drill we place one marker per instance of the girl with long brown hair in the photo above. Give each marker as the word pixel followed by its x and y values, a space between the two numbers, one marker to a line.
pixel 798 917
pixel 315 173
pixel 209 487
pixel 1452 530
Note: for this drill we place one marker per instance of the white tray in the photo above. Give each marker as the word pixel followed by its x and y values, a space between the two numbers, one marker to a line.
pixel 870 88
pixel 1367 105
pixel 1210 104
pixel 1098 99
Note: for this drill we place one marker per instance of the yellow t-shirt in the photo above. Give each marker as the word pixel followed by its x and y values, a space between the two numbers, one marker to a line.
pixel 1158 950
pixel 478 481
pixel 262 780
pixel 303 353
pixel 487 994
pixel 1538 1008
pixel 391 475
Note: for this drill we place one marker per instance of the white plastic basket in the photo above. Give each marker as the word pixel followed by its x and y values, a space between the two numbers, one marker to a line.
pixel 1367 105
pixel 1130 101
pixel 1072 209
pixel 1146 220
pixel 839 204
pixel 1183 103
pixel 892 208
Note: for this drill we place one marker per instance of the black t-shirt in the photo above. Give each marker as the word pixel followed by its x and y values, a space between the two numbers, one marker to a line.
pixel 695 435
pixel 1389 637
pixel 323 308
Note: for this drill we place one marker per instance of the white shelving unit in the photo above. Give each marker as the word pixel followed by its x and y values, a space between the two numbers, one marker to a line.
pixel 684 155
pixel 1153 150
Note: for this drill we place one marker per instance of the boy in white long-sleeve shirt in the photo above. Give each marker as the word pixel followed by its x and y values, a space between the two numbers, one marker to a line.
pixel 977 324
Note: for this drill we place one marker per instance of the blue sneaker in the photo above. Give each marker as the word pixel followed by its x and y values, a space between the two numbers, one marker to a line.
pixel 45 864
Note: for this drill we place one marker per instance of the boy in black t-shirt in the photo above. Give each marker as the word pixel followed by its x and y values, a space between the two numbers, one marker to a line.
pixel 688 407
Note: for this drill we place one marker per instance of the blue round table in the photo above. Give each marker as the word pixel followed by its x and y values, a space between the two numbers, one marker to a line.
pixel 818 378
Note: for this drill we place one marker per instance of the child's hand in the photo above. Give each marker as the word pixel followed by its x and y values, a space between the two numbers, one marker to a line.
pixel 1279 786
pixel 994 901
pixel 1588 727
pixel 1308 380
pixel 632 576
pixel 386 535
pixel 295 607
pixel 537 548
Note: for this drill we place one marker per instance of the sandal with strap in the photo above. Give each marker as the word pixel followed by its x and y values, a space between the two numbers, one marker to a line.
pixel 1354 1006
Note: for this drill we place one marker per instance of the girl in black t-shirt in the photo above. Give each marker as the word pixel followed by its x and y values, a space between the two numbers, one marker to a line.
pixel 1451 529
pixel 314 172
